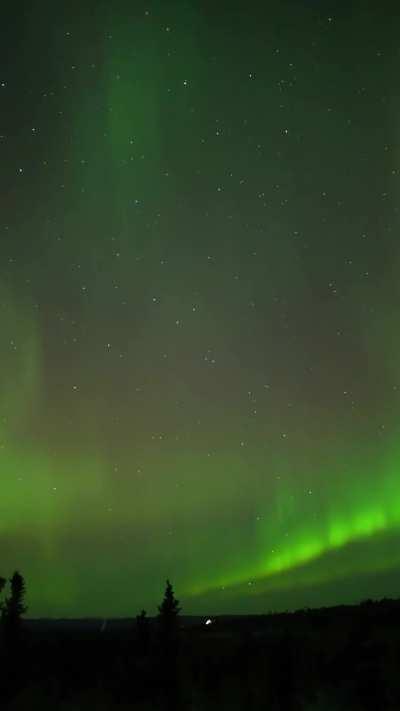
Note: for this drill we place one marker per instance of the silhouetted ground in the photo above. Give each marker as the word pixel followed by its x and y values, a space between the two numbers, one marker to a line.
pixel 345 658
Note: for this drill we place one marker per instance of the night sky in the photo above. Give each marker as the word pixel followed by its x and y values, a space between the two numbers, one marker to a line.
pixel 199 304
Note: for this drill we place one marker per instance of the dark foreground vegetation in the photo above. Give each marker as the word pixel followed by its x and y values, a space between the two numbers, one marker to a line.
pixel 345 658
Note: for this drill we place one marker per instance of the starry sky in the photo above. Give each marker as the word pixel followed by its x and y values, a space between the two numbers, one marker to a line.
pixel 199 304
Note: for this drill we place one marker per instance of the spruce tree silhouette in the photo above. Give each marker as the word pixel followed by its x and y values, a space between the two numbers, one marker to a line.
pixel 14 659
pixel 168 615
pixel 168 628
pixel 12 610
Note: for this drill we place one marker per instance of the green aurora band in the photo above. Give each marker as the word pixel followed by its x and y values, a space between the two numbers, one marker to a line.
pixel 359 513
pixel 280 542
pixel 61 496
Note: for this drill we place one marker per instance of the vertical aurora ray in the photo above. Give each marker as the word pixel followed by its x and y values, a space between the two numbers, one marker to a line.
pixel 134 105
pixel 39 493
pixel 20 357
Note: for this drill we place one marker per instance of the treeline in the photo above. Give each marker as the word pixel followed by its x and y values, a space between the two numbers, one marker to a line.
pixel 23 662
pixel 13 607
pixel 345 657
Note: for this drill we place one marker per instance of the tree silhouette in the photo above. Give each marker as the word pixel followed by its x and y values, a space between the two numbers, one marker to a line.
pixel 14 656
pixel 168 620
pixel 169 608
pixel 12 610
pixel 168 628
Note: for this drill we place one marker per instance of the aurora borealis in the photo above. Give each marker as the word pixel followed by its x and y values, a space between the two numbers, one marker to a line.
pixel 199 304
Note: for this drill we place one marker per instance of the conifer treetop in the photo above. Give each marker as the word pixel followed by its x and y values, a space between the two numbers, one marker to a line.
pixel 170 605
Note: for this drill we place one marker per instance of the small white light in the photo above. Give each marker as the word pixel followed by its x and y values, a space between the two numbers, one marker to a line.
pixel 208 622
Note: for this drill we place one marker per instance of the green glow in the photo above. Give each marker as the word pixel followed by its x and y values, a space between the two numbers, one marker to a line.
pixel 53 491
pixel 199 305
pixel 355 518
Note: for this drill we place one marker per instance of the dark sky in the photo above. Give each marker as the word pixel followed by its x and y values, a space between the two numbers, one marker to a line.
pixel 199 304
